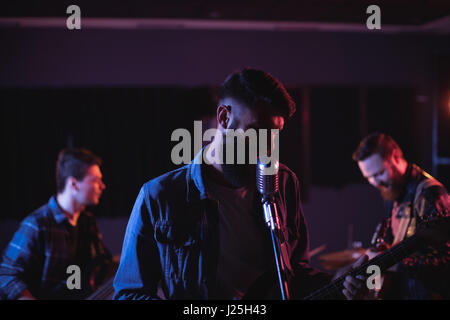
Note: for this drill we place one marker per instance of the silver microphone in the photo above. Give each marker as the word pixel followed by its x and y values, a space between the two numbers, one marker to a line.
pixel 267 185
pixel 267 178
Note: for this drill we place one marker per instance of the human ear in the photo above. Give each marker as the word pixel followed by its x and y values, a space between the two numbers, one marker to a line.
pixel 223 116
pixel 72 183
pixel 396 159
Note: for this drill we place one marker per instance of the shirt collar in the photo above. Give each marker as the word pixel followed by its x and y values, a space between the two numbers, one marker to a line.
pixel 413 175
pixel 58 214
pixel 196 185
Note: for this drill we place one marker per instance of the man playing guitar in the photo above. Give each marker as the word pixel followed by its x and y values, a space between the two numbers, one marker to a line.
pixel 411 196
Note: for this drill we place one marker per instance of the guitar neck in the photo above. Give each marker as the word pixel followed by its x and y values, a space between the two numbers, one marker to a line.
pixel 384 261
pixel 105 292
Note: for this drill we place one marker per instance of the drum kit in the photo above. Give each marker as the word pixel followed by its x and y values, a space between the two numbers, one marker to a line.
pixel 334 261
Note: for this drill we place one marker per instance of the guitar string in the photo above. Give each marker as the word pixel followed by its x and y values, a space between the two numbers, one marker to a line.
pixel 337 284
pixel 103 292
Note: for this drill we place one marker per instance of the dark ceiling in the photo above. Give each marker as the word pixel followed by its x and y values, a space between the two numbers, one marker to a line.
pixel 395 12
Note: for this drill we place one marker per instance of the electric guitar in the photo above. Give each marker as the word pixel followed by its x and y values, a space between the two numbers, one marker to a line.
pixel 435 231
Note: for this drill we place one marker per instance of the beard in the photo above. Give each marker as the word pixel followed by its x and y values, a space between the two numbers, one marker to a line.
pixel 395 188
pixel 238 175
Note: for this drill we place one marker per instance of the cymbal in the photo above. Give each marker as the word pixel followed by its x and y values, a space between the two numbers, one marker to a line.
pixel 339 259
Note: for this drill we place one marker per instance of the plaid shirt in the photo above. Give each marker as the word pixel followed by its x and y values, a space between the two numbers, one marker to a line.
pixel 42 248
pixel 425 274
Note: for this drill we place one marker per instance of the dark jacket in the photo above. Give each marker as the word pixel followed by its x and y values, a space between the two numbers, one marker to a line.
pixel 171 245
pixel 426 274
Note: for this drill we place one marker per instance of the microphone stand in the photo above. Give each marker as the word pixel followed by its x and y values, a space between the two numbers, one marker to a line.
pixel 271 219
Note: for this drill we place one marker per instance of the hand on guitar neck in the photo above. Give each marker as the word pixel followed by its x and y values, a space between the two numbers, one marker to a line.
pixel 433 232
pixel 354 287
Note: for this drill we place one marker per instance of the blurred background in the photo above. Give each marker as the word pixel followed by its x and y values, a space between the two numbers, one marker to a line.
pixel 136 72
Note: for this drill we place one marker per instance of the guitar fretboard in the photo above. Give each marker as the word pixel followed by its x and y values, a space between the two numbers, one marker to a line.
pixel 384 261
pixel 105 292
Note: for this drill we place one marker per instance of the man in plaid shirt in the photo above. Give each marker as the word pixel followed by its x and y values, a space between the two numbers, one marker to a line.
pixel 59 234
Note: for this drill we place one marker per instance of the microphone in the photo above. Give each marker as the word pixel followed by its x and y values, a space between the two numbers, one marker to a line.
pixel 267 185
pixel 267 179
